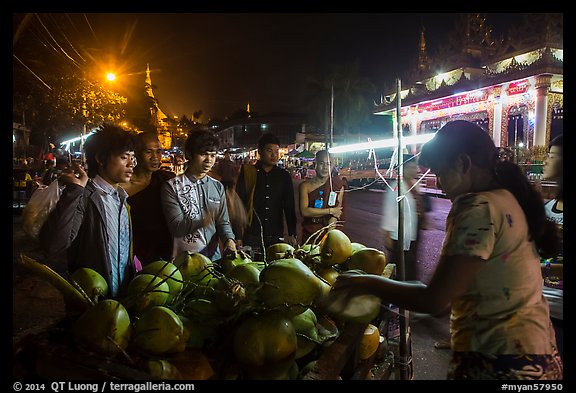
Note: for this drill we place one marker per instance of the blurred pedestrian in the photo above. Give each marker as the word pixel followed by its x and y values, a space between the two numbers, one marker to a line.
pixel 50 172
pixel 267 192
pixel 553 268
pixel 314 195
pixel 194 203
pixel 227 171
pixel 489 267
pixel 414 212
pixel 152 239
pixel 92 220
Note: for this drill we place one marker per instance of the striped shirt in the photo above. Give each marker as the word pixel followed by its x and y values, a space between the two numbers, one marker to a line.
pixel 117 229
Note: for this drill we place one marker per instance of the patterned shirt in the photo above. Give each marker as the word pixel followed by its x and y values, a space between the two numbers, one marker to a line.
pixel 196 214
pixel 503 311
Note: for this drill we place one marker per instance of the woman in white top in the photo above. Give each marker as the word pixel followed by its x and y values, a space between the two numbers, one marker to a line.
pixel 489 267
pixel 553 268
pixel 412 219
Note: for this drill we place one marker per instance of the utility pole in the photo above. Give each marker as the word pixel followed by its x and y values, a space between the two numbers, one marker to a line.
pixel 405 350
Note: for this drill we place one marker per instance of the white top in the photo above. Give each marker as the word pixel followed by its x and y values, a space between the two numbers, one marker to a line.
pixel 390 215
pixel 555 296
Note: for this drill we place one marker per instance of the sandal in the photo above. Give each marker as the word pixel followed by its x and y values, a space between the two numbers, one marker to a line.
pixel 442 344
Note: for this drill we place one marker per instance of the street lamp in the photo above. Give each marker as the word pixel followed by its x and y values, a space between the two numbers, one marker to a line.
pixel 110 77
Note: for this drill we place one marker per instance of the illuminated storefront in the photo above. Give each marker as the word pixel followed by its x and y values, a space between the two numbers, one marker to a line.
pixel 514 99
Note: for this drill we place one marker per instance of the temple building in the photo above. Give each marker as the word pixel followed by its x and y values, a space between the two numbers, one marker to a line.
pixel 512 87
pixel 159 119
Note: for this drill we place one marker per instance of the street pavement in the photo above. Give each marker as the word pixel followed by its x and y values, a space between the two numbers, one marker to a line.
pixel 36 304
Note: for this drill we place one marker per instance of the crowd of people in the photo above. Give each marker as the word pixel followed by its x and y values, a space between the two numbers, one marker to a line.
pixel 502 243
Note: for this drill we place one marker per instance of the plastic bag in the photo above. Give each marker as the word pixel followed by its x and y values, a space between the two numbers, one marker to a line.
pixel 38 208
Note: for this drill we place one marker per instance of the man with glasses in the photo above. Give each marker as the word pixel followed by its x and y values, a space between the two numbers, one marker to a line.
pixel 91 220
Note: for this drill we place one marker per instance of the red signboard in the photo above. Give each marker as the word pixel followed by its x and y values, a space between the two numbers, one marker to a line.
pixel 519 87
pixel 451 102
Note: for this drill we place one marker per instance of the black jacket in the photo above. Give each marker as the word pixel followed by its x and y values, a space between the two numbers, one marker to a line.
pixel 77 225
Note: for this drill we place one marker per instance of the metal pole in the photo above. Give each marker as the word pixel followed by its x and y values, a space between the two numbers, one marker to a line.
pixel 332 114
pixel 405 361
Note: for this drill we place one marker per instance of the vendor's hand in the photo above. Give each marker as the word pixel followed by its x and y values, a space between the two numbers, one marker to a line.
pixel 349 284
pixel 336 211
pixel 74 175
pixel 354 282
pixel 230 247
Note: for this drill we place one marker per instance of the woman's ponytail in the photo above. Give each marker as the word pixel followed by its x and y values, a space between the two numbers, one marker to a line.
pixel 543 231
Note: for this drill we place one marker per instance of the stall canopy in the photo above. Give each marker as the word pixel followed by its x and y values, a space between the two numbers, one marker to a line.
pixel 305 154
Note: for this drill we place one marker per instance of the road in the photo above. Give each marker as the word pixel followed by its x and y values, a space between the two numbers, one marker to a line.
pixel 37 304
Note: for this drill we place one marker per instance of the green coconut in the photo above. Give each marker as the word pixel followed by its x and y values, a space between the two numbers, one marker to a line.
pixel 369 260
pixel 104 328
pixel 265 344
pixel 358 309
pixel 191 263
pixel 335 248
pixel 168 271
pixel 91 282
pixel 279 251
pixel 146 291
pixel 288 283
pixel 306 332
pixel 158 331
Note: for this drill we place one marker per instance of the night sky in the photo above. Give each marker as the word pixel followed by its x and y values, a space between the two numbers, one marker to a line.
pixel 217 62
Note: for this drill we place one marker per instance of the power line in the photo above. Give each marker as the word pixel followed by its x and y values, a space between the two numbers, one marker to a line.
pixel 32 72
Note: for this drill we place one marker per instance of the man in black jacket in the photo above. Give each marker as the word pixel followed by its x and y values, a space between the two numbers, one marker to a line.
pixel 268 195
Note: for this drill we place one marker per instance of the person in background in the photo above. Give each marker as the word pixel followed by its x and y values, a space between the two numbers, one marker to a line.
pixel 227 171
pixel 194 204
pixel 52 171
pixel 314 194
pixel 91 220
pixel 413 219
pixel 267 193
pixel 152 240
pixel 489 267
pixel 553 268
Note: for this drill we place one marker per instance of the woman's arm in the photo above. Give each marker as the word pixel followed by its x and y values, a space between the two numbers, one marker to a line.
pixel 452 277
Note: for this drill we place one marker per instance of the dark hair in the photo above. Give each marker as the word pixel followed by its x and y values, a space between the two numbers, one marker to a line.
pixel 460 136
pixel 321 153
pixel 266 139
pixel 559 142
pixel 108 140
pixel 199 142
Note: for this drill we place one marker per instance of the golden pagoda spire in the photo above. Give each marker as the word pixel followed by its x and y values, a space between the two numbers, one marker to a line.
pixel 423 61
